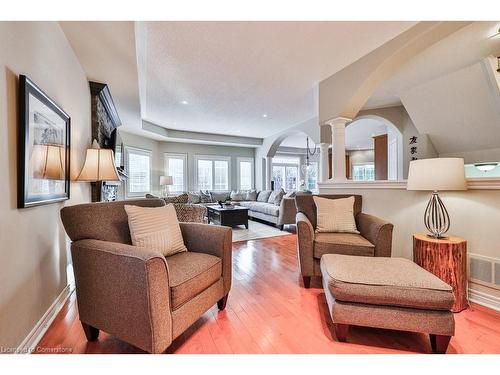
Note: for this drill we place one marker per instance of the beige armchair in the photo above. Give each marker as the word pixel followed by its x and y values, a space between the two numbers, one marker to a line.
pixel 137 294
pixel 375 238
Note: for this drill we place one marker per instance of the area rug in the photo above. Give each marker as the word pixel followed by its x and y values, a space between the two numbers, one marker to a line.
pixel 255 231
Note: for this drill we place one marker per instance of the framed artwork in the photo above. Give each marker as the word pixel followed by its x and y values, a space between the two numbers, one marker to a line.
pixel 44 148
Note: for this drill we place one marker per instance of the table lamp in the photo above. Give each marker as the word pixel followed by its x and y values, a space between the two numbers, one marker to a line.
pixel 438 174
pixel 165 181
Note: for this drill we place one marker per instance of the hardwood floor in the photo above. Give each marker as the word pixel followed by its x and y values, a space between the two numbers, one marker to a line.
pixel 270 312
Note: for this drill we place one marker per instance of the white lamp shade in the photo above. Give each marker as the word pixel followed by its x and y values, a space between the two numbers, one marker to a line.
pixel 166 180
pixel 99 165
pixel 48 161
pixel 439 174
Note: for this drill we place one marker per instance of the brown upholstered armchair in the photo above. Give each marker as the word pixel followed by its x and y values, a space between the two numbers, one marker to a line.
pixel 375 238
pixel 137 294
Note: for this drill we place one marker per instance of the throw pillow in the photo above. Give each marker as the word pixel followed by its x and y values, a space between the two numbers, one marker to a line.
pixel 263 196
pixel 155 228
pixel 335 215
pixel 276 197
pixel 220 196
pixel 251 195
pixel 193 197
pixel 205 197
pixel 181 198
pixel 238 196
pixel 290 194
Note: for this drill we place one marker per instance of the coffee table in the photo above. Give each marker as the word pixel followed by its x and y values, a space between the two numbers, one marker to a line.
pixel 228 216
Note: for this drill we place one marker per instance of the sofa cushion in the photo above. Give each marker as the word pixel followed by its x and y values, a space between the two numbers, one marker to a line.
pixel 190 273
pixel 220 195
pixel 342 243
pixel 263 196
pixel 335 215
pixel 205 197
pixel 264 208
pixel 384 281
pixel 155 228
pixel 238 196
pixel 193 197
pixel 276 197
pixel 181 198
pixel 251 195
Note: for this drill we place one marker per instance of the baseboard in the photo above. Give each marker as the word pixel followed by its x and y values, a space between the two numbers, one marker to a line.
pixel 484 299
pixel 36 334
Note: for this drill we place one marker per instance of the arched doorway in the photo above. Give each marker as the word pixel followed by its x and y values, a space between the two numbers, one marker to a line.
pixel 374 148
pixel 287 164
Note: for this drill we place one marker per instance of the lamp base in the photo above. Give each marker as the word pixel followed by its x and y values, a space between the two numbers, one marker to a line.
pixel 436 218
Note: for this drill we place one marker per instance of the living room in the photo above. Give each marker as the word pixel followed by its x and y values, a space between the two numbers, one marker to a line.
pixel 273 185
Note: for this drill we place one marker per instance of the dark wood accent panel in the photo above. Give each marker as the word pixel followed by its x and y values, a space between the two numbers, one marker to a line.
pixel 381 155
pixel 347 165
pixel 447 259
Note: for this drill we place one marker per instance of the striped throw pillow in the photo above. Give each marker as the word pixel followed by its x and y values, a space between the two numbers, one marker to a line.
pixel 155 228
pixel 335 215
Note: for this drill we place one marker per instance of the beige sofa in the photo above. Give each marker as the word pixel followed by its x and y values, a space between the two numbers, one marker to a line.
pixel 375 238
pixel 137 294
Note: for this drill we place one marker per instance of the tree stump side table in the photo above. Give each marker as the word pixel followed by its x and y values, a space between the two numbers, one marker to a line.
pixel 447 259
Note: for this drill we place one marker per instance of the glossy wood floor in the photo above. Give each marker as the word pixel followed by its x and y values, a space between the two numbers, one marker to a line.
pixel 270 312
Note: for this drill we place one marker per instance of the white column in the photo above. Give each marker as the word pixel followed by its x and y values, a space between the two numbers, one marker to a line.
pixel 338 144
pixel 323 162
pixel 269 175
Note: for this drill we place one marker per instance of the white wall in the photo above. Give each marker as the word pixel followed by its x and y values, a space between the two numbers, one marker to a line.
pixel 474 216
pixel 33 250
pixel 159 148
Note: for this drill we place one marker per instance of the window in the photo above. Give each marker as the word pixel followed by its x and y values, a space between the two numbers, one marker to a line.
pixel 176 166
pixel 245 173
pixel 139 172
pixel 312 176
pixel 212 172
pixel 285 173
pixel 363 172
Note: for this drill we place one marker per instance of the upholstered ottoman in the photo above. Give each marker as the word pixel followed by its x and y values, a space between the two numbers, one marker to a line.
pixel 391 293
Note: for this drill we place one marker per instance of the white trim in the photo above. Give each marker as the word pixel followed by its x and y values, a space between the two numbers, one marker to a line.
pixel 31 341
pixel 184 157
pixel 484 299
pixel 212 158
pixel 240 159
pixel 472 184
pixel 139 151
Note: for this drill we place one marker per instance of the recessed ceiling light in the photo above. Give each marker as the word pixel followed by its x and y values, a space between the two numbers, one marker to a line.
pixel 184 102
pixel 264 115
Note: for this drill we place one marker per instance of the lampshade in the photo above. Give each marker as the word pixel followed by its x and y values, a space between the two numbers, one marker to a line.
pixel 47 162
pixel 166 180
pixel 439 174
pixel 99 165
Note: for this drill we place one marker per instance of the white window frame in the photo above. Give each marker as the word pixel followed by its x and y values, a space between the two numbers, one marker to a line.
pixel 364 164
pixel 139 151
pixel 212 158
pixel 247 160
pixel 168 155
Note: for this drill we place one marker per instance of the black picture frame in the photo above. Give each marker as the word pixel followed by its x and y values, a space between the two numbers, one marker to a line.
pixel 43 125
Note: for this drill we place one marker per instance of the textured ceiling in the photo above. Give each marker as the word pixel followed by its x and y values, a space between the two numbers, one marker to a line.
pixel 232 73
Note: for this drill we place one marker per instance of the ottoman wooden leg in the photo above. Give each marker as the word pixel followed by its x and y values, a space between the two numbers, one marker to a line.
pixel 439 343
pixel 91 333
pixel 341 331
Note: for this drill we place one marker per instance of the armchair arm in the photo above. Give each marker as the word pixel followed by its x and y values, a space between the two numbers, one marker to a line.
pixel 377 231
pixel 213 240
pixel 124 290
pixel 288 210
pixel 305 245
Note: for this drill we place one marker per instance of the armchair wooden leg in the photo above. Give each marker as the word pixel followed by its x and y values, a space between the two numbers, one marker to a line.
pixel 341 331
pixel 91 333
pixel 439 343
pixel 307 281
pixel 221 304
